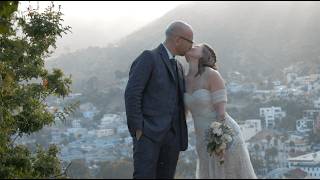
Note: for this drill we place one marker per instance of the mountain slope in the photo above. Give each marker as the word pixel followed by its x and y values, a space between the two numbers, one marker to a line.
pixel 257 39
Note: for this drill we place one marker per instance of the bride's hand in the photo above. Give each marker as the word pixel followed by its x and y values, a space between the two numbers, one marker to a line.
pixel 221 155
pixel 222 118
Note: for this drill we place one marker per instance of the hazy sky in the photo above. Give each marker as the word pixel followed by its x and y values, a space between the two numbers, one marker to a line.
pixel 97 23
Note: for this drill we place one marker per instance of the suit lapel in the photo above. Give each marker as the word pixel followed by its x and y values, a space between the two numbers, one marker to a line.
pixel 165 59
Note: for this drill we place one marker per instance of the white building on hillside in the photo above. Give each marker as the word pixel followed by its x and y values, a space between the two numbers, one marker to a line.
pixel 311 113
pixel 272 115
pixel 304 125
pixel 309 163
pixel 316 103
pixel 76 123
pixel 105 132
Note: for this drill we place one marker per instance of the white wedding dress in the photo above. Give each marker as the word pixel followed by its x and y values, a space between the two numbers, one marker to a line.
pixel 237 164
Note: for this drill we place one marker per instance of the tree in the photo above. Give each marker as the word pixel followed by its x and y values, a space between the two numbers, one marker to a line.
pixel 274 152
pixel 291 144
pixel 271 154
pixel 25 85
pixel 256 148
pixel 258 165
pixel 268 138
pixel 7 8
pixel 276 140
pixel 283 139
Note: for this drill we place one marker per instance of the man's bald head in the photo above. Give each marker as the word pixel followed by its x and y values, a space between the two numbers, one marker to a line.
pixel 179 38
pixel 178 28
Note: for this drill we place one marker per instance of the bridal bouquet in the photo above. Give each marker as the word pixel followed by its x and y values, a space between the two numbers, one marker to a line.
pixel 218 136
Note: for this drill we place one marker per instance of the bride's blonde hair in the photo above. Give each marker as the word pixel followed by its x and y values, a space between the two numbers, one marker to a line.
pixel 208 59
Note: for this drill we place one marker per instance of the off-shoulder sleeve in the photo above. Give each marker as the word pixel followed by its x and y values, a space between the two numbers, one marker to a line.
pixel 219 96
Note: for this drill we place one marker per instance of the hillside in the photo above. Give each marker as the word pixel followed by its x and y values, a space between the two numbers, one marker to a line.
pixel 258 39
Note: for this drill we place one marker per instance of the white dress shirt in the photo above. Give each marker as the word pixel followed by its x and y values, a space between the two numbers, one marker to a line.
pixel 170 55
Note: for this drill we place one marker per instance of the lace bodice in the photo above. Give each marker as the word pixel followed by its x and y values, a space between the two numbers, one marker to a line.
pixel 201 100
pixel 237 161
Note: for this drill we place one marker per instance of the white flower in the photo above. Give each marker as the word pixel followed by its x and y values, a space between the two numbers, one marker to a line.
pixel 215 125
pixel 227 137
pixel 217 131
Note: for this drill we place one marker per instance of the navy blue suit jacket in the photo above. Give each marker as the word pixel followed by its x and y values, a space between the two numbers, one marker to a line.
pixel 149 96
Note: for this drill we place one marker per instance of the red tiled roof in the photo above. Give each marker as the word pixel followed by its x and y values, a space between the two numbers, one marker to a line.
pixel 263 134
pixel 296 173
pixel 296 154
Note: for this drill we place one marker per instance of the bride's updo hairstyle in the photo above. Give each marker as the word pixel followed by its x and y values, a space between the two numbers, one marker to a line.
pixel 208 59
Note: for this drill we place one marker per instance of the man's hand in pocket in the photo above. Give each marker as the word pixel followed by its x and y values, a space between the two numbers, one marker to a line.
pixel 138 134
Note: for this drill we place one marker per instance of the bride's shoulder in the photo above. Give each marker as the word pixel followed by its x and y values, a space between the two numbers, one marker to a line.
pixel 212 73
pixel 215 79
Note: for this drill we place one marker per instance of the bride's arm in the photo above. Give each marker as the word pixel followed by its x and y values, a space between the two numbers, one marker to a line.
pixel 217 88
pixel 186 111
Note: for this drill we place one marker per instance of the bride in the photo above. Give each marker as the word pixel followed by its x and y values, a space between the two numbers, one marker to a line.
pixel 206 99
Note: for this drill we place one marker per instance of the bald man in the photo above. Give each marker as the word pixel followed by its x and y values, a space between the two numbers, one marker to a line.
pixel 154 105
